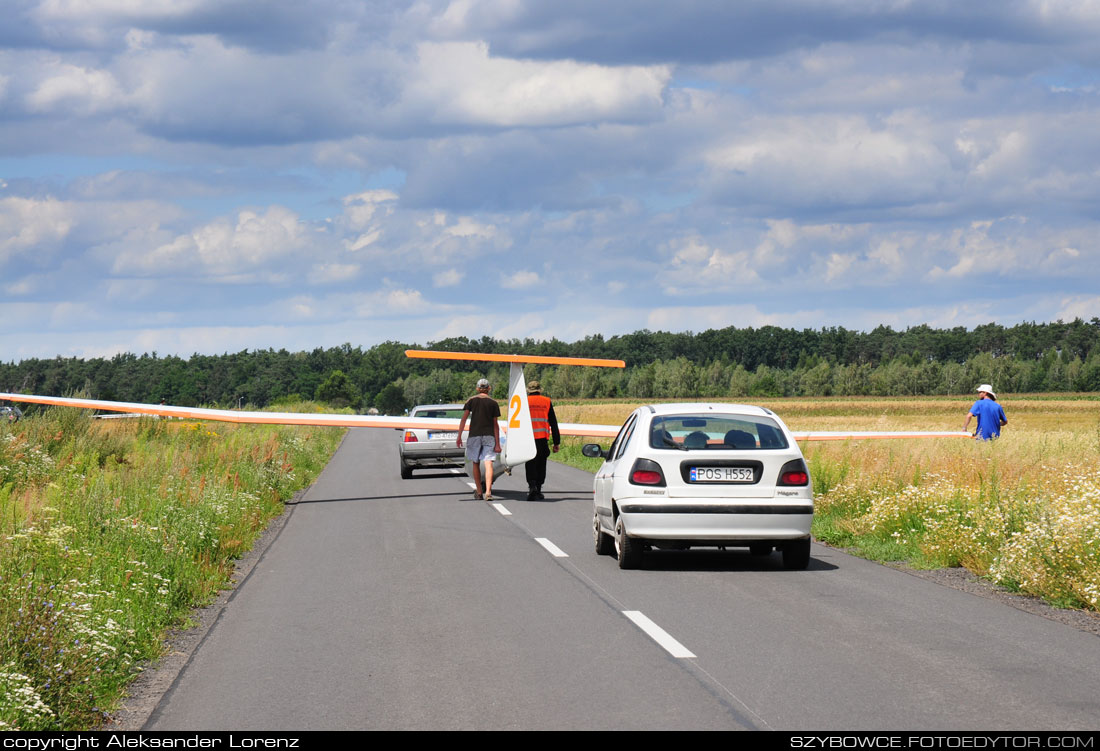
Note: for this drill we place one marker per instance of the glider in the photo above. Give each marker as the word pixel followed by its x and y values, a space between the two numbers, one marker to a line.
pixel 517 436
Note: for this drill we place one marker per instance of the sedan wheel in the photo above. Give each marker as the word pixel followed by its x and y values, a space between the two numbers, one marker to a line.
pixel 605 544
pixel 406 471
pixel 627 549
pixel 796 555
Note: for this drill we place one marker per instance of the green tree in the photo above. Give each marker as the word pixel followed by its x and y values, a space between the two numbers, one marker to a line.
pixel 391 399
pixel 339 391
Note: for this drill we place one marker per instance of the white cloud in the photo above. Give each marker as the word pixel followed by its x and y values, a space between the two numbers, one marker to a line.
pixel 29 224
pixel 519 280
pixel 448 278
pixel 331 273
pixel 1085 307
pixel 224 247
pixel 364 240
pixel 830 159
pixel 467 227
pixel 82 90
pixel 695 264
pixel 360 209
pixel 460 82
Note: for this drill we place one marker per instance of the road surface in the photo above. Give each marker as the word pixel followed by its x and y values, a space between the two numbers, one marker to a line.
pixel 405 604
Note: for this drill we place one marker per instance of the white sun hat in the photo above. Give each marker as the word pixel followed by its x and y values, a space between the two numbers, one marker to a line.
pixel 987 389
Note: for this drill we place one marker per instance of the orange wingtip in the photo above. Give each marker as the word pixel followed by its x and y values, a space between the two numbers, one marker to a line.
pixel 589 361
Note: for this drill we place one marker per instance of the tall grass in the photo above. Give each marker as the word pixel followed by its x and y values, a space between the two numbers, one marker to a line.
pixel 1022 511
pixel 110 531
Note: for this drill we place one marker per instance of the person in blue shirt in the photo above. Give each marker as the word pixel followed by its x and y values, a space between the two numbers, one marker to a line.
pixel 990 414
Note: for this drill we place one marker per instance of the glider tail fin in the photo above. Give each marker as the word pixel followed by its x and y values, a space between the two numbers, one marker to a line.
pixel 520 444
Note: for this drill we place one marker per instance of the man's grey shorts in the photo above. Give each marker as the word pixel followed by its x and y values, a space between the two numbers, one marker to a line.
pixel 479 448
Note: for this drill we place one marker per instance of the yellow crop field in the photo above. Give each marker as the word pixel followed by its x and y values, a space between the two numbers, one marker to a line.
pixel 1023 510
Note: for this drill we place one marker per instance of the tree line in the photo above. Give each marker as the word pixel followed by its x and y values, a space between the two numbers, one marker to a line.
pixel 729 362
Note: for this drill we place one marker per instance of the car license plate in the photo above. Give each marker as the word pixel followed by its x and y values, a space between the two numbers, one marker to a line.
pixel 442 436
pixel 720 474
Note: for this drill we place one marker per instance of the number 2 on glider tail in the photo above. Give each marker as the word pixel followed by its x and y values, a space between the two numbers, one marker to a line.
pixel 515 404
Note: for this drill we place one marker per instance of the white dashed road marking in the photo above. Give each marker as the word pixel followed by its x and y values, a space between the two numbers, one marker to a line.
pixel 658 634
pixel 554 549
pixel 500 507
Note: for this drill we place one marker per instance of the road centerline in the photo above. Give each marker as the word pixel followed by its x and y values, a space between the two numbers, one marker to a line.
pixel 553 549
pixel 658 634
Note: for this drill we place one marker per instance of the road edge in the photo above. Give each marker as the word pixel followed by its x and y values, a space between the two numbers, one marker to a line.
pixel 157 678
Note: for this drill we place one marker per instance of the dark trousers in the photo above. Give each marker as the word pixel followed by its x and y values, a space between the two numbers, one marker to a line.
pixel 536 468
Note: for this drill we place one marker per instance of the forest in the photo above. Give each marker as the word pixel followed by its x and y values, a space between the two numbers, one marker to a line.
pixel 718 363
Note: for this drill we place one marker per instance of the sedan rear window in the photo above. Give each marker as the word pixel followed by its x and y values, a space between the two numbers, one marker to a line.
pixel 715 433
pixel 438 413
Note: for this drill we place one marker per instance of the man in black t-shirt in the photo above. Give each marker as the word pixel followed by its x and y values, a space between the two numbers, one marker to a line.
pixel 484 442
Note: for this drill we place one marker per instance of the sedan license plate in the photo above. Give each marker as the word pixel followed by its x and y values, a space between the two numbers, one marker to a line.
pixel 720 474
pixel 442 436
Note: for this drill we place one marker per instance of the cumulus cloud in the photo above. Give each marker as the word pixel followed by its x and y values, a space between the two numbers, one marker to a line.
pixel 349 166
pixel 460 82
pixel 79 90
pixel 695 264
pixel 28 224
pixel 223 248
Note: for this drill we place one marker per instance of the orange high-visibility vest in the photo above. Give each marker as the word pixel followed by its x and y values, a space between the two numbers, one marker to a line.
pixel 540 415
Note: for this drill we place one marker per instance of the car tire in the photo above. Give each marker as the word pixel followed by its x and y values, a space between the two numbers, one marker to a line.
pixel 605 543
pixel 796 555
pixel 406 471
pixel 761 548
pixel 627 549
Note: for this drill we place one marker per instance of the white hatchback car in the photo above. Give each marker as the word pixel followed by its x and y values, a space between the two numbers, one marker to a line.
pixel 679 476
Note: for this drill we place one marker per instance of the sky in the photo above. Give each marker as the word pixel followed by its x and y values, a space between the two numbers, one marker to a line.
pixel 209 176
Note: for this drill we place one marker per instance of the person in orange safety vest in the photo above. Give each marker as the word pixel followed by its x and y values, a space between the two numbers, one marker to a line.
pixel 545 425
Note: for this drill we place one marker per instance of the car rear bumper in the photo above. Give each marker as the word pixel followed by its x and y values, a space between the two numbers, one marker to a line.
pixel 440 457
pixel 733 520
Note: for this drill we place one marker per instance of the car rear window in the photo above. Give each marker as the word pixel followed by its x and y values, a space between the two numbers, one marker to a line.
pixel 715 433
pixel 439 413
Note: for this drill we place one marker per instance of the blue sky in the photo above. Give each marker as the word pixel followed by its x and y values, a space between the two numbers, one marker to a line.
pixel 217 175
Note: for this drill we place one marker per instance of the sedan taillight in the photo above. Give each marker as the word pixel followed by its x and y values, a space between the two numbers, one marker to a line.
pixel 794 472
pixel 410 437
pixel 647 472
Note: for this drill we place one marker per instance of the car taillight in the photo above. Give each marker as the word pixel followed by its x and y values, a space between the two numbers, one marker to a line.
pixel 647 472
pixel 410 437
pixel 794 472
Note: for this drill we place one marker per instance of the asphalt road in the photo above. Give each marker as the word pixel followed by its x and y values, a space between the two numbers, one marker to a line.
pixel 404 604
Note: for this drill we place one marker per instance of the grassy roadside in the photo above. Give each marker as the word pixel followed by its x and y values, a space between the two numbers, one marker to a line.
pixel 110 532
pixel 1023 511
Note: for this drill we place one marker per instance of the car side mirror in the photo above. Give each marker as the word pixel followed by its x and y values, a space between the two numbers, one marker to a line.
pixel 593 451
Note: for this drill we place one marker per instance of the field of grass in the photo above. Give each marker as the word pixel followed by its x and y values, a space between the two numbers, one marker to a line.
pixel 110 532
pixel 1022 511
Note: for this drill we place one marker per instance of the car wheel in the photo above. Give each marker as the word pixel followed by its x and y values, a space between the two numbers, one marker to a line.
pixel 406 471
pixel 627 549
pixel 605 543
pixel 760 548
pixel 796 555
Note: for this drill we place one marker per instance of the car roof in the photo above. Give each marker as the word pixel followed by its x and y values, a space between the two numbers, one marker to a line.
pixel 686 408
pixel 436 406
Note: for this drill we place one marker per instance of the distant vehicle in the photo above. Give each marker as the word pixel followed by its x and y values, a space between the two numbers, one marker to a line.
pixel 10 414
pixel 431 447
pixel 679 476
